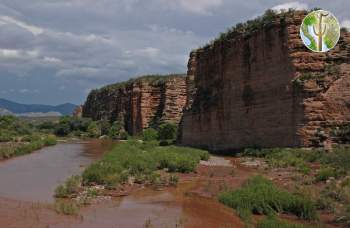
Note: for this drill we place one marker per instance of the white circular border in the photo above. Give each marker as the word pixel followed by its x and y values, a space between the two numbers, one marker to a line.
pixel 300 31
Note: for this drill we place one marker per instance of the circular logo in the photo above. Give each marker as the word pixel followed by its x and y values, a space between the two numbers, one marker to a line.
pixel 320 31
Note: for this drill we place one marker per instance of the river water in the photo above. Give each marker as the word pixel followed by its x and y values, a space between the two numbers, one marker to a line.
pixel 34 177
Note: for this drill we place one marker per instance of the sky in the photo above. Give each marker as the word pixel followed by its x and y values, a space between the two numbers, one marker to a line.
pixel 56 51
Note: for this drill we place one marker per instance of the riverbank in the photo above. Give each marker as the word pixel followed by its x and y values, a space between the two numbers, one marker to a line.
pixel 144 196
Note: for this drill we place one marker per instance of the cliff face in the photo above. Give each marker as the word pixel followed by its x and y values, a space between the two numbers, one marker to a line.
pixel 265 88
pixel 139 104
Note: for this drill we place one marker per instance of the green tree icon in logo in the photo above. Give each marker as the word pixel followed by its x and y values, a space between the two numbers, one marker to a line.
pixel 320 31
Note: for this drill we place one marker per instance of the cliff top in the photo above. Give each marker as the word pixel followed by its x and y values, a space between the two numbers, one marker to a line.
pixel 152 79
pixel 267 20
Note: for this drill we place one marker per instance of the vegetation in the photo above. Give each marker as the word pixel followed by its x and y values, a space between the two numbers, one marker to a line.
pixel 339 159
pixel 273 222
pixel 167 131
pixel 259 196
pixel 66 207
pixel 149 134
pixel 71 186
pixel 152 79
pixel 246 29
pixel 141 161
pixel 342 133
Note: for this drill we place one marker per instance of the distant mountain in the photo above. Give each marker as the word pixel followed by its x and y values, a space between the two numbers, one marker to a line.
pixel 5 112
pixel 17 108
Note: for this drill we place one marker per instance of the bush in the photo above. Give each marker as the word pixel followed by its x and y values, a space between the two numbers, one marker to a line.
pixel 50 140
pixel 326 172
pixel 167 131
pixel 149 134
pixel 93 130
pixel 62 129
pixel 71 186
pixel 115 130
pixel 260 196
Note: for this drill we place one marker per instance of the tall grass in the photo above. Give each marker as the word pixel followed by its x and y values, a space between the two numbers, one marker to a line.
pixel 141 160
pixel 259 196
pixel 12 150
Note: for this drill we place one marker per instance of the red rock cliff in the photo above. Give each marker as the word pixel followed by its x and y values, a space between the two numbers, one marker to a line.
pixel 140 103
pixel 265 88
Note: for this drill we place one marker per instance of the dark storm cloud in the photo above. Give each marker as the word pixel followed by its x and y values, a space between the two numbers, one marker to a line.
pixel 53 51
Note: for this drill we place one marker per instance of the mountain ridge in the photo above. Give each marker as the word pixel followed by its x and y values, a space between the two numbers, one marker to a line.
pixel 18 108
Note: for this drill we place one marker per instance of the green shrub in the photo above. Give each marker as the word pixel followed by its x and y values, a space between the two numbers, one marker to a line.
pixel 116 129
pixel 167 131
pixel 149 134
pixel 50 140
pixel 259 196
pixel 93 130
pixel 339 158
pixel 326 172
pixel 62 129
pixel 71 186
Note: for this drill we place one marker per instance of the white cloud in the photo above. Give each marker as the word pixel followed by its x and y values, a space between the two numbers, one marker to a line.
pixel 203 7
pixel 200 6
pixel 294 5
pixel 346 23
pixel 52 60
pixel 83 72
pixel 19 54
pixel 150 52
pixel 8 53
pixel 31 28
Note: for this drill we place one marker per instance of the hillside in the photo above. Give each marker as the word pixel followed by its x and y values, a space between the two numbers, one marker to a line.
pixel 17 108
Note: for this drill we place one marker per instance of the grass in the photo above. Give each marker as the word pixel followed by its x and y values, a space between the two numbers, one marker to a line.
pixel 14 149
pixel 141 160
pixel 338 159
pixel 259 196
pixel 327 172
pixel 71 186
pixel 273 222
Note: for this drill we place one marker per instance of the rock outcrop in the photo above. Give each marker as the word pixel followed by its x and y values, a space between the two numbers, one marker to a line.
pixel 259 86
pixel 139 103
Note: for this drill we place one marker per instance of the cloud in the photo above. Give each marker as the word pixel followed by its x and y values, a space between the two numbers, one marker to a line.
pixel 200 6
pixel 31 28
pixel 346 23
pixel 291 5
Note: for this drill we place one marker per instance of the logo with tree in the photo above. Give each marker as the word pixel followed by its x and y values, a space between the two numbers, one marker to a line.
pixel 320 31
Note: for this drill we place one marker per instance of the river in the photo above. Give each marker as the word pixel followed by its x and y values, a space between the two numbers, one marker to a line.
pixel 34 177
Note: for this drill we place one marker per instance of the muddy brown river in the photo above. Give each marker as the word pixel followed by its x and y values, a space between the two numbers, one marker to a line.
pixel 34 177
pixel 28 183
